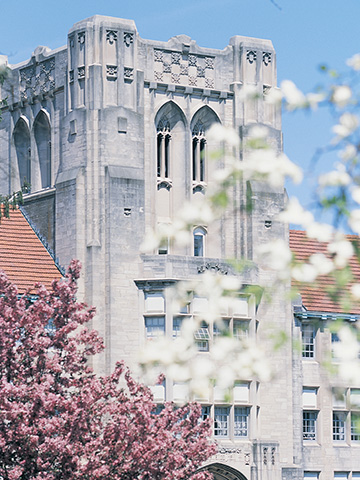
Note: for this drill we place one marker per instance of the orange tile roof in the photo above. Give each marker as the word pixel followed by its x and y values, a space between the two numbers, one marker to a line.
pixel 23 257
pixel 315 296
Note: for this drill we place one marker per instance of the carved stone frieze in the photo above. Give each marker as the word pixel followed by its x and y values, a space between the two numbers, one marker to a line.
pixel 266 58
pixel 111 36
pixel 251 56
pixel 81 73
pixel 214 267
pixel 81 38
pixel 175 67
pixel 128 38
pixel 37 79
pixel 111 71
pixel 128 73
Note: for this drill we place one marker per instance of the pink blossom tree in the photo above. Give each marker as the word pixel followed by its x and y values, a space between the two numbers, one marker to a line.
pixel 60 420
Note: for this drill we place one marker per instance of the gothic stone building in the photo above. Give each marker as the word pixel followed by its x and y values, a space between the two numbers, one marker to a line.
pixel 109 135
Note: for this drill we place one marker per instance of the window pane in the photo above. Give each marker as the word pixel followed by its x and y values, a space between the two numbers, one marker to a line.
pixel 198 245
pixel 355 427
pixel 241 329
pixel 308 341
pixel 309 397
pixel 221 421
pixel 241 416
pixel 154 326
pixel 339 419
pixel 311 475
pixel 154 302
pixel 309 425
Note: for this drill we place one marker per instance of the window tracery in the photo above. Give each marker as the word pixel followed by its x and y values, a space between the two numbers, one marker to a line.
pixel 198 153
pixel 163 150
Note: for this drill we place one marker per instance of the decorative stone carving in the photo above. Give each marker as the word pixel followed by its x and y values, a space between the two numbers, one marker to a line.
pixel 247 458
pixel 167 67
pixel 81 37
pixel 175 77
pixel 184 69
pixel 169 64
pixel 71 76
pixel 192 80
pixel 37 79
pixel 266 89
pixel 71 41
pixel 251 56
pixel 111 71
pixel 266 58
pixel 265 452
pixel 200 72
pixel 175 58
pixel 214 267
pixel 209 83
pixel 192 60
pixel 128 73
pixel 81 73
pixel 209 63
pixel 158 76
pixel 273 449
pixel 111 36
pixel 158 55
pixel 128 38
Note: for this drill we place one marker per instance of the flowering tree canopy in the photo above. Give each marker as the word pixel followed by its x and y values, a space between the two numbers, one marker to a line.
pixel 59 420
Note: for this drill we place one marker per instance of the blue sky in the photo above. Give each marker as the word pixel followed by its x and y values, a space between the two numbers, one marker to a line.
pixel 305 33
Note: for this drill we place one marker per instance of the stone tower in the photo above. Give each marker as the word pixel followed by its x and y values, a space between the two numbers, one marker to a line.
pixel 110 134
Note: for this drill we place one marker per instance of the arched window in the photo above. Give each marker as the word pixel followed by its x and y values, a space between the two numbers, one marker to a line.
pixel 23 152
pixel 199 241
pixel 43 146
pixel 198 152
pixel 163 148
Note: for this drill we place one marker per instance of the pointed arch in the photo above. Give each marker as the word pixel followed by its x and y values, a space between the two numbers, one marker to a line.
pixel 223 472
pixel 200 123
pixel 42 135
pixel 169 123
pixel 21 137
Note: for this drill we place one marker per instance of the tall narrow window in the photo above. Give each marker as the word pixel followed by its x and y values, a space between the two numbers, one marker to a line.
pixel 221 421
pixel 308 341
pixel 339 423
pixel 198 153
pixel 241 427
pixel 43 145
pixel 309 425
pixel 23 152
pixel 199 242
pixel 163 148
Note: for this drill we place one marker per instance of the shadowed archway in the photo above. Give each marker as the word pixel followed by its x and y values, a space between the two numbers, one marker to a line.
pixel 223 472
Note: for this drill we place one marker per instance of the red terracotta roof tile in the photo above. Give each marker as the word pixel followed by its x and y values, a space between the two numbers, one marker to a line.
pixel 23 257
pixel 315 297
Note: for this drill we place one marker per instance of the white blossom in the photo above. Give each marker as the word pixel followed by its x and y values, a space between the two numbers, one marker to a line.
pixel 322 232
pixel 355 291
pixel 342 250
pixel 293 96
pixel 348 123
pixel 338 177
pixel 355 193
pixel 341 95
pixel 348 153
pixel 295 213
pixel 275 255
pixel 354 220
pixel 219 133
pixel 346 351
pixel 354 62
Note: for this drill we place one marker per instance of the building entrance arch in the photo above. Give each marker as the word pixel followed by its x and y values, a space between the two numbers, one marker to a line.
pixel 224 472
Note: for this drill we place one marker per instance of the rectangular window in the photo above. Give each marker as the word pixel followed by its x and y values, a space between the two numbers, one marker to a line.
pixel 311 475
pixel 309 397
pixel 355 426
pixel 241 423
pixel 177 321
pixel 221 421
pixel 241 329
pixel 202 337
pixel 308 341
pixel 309 426
pixel 154 326
pixel 339 422
pixel 205 412
pixel 340 475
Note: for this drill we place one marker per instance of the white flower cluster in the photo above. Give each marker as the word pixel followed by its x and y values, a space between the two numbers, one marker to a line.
pixel 346 351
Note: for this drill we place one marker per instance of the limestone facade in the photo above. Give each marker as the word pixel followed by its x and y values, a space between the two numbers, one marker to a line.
pixel 109 135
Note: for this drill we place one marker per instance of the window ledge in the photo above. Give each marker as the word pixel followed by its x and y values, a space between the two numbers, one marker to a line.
pixel 39 193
